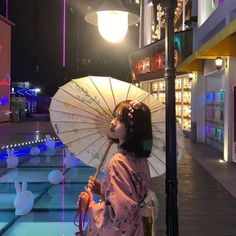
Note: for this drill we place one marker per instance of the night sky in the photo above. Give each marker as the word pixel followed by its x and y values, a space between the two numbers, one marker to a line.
pixel 37 44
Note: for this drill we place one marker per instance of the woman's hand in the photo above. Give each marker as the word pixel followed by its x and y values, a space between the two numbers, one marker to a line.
pixel 84 196
pixel 94 185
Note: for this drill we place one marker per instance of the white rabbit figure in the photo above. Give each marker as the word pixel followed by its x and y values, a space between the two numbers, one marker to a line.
pixel 35 160
pixel 55 177
pixel 49 142
pixel 49 153
pixel 70 161
pixel 12 160
pixel 24 199
pixel 34 151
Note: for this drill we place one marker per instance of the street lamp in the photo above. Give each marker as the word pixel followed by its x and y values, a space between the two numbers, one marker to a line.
pixel 190 76
pixel 172 228
pixel 112 19
pixel 219 63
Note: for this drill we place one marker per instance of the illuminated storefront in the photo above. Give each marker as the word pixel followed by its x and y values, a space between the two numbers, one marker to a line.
pixel 205 102
pixel 213 97
pixel 148 71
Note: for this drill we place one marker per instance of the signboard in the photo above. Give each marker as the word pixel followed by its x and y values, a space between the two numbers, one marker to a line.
pixel 151 58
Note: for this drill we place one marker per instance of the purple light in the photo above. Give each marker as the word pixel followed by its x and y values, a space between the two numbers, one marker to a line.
pixel 208 128
pixel 7 9
pixel 64 35
pixel 221 2
pixel 63 189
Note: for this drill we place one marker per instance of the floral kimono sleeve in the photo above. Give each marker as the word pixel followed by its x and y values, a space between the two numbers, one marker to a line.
pixel 118 213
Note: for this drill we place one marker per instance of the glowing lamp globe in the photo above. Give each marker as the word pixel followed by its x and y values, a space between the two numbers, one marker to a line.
pixel 113 25
pixel 112 19
pixel 219 62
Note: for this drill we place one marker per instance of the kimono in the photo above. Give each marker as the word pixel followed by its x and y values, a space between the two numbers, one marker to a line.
pixel 123 188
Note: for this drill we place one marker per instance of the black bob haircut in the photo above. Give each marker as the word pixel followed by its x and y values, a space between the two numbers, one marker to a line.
pixel 139 132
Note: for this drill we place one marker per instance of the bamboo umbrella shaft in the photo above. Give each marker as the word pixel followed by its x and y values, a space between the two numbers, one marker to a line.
pixel 102 160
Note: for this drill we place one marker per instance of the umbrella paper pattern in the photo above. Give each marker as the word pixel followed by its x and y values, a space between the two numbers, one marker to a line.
pixel 81 112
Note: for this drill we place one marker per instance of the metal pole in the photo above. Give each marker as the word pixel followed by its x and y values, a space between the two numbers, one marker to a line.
pixel 141 28
pixel 172 228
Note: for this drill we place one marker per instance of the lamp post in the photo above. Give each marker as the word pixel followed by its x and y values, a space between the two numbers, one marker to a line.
pixel 172 228
pixel 171 168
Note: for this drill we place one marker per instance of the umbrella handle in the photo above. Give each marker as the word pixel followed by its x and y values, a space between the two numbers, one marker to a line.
pixel 103 159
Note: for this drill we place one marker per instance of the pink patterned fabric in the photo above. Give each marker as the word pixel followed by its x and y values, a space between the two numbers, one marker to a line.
pixel 124 186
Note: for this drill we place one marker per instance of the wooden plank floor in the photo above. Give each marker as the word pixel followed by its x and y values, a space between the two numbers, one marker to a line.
pixel 205 207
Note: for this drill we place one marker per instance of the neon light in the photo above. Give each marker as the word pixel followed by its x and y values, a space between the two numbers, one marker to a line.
pixel 7 9
pixel 63 190
pixel 29 92
pixel 21 92
pixel 4 83
pixel 64 35
pixel 221 2
pixel 26 92
pixel 4 101
pixel 26 151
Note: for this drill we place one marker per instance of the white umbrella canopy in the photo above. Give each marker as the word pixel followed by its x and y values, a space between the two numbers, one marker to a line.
pixel 81 112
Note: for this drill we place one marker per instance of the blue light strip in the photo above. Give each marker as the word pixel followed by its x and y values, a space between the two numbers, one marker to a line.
pixel 26 151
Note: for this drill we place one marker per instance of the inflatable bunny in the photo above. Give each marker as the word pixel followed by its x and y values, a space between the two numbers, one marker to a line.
pixel 55 177
pixel 34 151
pixel 49 142
pixel 70 161
pixel 49 153
pixel 24 199
pixel 12 160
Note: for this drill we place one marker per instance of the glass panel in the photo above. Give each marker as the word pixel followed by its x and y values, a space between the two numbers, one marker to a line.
pixel 54 205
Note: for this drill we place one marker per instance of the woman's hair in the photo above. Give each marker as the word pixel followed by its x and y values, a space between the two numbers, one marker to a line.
pixel 137 119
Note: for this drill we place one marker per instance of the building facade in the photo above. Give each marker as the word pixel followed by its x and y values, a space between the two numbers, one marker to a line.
pixel 148 63
pixel 5 68
pixel 205 101
pixel 213 88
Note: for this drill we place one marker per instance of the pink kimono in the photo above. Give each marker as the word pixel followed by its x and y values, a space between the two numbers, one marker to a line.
pixel 123 188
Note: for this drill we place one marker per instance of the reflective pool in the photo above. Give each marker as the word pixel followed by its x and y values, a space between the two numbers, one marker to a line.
pixel 54 204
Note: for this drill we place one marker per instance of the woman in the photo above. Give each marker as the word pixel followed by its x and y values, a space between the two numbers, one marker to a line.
pixel 127 177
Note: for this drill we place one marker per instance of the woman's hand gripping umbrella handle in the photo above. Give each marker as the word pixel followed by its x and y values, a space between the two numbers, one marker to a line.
pixel 88 191
pixel 94 184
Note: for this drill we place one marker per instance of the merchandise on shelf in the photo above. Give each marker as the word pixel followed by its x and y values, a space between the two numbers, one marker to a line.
pixel 215 119
pixel 154 87
pixel 182 99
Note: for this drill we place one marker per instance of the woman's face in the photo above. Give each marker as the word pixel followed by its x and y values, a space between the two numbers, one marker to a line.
pixel 117 128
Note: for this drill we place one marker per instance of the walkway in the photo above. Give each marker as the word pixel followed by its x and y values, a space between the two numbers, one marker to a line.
pixel 207 200
pixel 206 208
